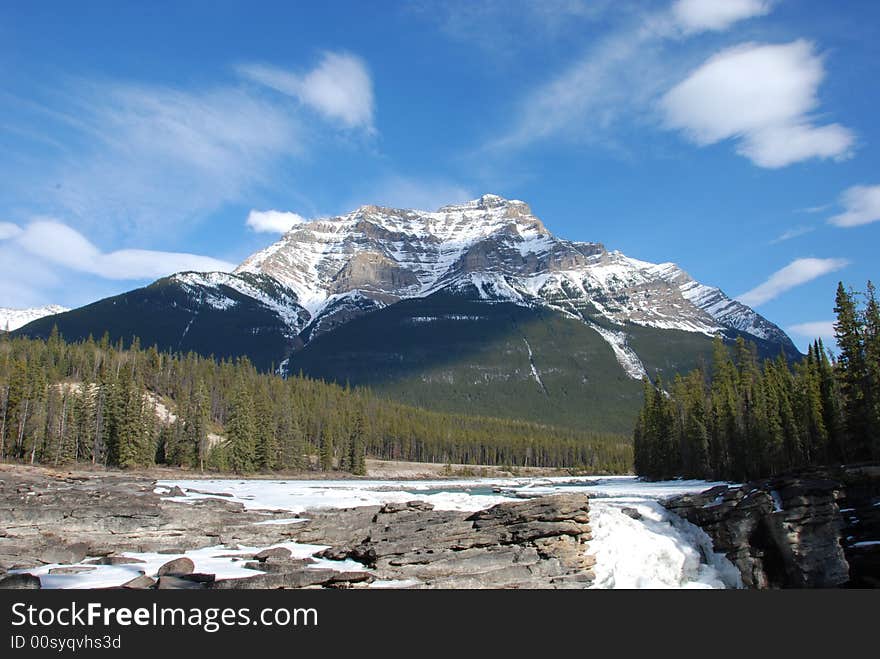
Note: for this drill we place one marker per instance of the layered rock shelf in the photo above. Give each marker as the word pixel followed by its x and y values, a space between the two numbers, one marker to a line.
pixel 66 519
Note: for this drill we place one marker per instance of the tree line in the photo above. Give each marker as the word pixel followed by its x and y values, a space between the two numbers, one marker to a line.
pixel 105 404
pixel 743 419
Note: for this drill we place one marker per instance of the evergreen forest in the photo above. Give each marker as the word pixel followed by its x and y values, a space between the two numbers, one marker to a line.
pixel 122 405
pixel 742 419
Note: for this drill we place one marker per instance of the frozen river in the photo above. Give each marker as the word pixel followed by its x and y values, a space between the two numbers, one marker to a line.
pixel 650 549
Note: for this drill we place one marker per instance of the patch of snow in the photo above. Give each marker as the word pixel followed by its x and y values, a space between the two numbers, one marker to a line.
pixel 395 583
pixel 626 356
pixel 532 366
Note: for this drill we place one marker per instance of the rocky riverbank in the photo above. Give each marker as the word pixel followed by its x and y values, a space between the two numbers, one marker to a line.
pixel 75 520
pixel 813 530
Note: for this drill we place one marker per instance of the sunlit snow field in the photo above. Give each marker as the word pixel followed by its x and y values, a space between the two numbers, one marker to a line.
pixel 660 550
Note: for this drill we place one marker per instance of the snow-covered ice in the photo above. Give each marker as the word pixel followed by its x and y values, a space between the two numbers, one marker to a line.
pixel 218 560
pixel 660 550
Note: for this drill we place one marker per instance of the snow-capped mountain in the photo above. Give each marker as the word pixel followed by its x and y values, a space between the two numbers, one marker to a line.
pixel 12 319
pixel 344 266
pixel 474 308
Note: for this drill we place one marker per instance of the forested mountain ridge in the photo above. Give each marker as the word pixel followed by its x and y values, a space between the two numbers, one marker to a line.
pixel 105 404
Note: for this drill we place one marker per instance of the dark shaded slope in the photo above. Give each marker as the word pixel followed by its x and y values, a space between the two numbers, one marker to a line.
pixel 169 315
pixel 451 353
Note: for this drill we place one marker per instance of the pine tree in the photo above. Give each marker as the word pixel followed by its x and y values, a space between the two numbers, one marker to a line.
pixel 325 448
pixel 852 374
pixel 356 459
pixel 241 430
pixel 266 434
pixel 872 368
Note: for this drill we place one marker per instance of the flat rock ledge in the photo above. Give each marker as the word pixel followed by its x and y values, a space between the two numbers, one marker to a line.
pixel 63 518
pixel 538 543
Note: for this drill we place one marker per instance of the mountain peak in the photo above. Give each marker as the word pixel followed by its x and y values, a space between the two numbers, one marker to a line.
pixel 488 202
pixel 12 319
pixel 497 249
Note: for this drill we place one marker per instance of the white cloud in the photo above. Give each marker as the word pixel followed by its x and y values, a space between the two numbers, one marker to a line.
pixel 340 87
pixel 9 230
pixel 716 15
pixel 819 329
pixel 861 205
pixel 761 96
pixel 779 146
pixel 273 221
pixel 622 75
pixel 799 271
pixel 56 243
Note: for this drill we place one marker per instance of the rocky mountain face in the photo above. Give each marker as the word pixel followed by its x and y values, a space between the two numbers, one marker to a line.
pixel 499 251
pixel 12 319
pixel 477 301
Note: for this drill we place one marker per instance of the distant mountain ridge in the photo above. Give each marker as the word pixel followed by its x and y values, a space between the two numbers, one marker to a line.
pixel 475 307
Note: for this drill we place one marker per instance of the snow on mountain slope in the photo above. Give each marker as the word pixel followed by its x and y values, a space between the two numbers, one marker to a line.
pixel 12 319
pixel 208 288
pixel 497 250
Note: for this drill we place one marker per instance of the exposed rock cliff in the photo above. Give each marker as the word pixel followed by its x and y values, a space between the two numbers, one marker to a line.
pixel 810 531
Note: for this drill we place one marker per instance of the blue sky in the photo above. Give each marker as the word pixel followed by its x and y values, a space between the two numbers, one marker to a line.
pixel 737 138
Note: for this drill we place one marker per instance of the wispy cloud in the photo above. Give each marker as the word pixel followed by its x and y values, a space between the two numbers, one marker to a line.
pixel 761 96
pixel 861 205
pixel 340 87
pixel 815 209
pixel 55 243
pixel 156 156
pixel 621 76
pixel 818 329
pixel 139 159
pixel 796 273
pixel 500 27
pixel 273 221
pixel 792 233
pixel 592 95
